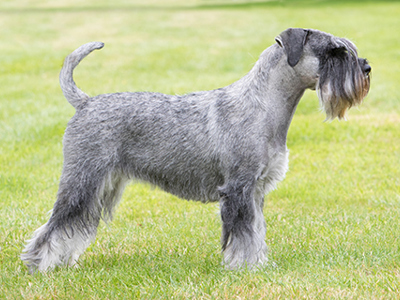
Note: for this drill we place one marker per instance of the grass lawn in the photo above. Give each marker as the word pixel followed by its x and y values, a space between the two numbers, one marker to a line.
pixel 333 223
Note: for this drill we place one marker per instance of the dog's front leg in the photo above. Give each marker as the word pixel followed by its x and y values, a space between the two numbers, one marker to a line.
pixel 243 227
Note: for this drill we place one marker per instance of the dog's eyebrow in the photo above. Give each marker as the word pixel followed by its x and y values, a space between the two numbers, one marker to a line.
pixel 349 46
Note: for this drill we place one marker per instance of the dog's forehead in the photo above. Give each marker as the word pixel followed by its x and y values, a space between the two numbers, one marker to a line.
pixel 319 38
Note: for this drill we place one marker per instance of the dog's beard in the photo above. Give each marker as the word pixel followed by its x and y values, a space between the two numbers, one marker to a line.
pixel 341 85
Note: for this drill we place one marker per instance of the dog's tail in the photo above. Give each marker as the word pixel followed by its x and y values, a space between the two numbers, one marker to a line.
pixel 73 94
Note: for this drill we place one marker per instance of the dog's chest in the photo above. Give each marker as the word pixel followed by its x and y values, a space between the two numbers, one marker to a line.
pixel 273 172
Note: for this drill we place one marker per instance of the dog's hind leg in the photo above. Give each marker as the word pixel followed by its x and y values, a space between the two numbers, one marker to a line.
pixel 243 228
pixel 85 192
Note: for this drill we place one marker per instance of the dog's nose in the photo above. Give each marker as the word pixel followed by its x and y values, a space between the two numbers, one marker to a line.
pixel 367 69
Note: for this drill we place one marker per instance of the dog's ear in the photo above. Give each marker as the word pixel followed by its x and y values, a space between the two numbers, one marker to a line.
pixel 292 40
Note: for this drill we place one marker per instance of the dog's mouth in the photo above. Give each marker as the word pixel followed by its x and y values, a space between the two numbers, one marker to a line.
pixel 314 87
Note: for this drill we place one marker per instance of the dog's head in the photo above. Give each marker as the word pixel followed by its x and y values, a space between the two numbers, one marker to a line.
pixel 341 78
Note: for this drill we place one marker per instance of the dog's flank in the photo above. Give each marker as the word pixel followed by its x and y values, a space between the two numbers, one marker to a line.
pixel 226 145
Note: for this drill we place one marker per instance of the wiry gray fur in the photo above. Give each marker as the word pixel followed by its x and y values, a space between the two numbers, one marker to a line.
pixel 226 145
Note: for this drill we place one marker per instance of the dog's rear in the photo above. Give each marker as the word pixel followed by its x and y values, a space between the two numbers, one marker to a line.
pixel 74 219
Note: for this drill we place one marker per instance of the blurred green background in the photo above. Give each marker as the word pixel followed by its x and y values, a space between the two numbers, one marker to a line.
pixel 333 223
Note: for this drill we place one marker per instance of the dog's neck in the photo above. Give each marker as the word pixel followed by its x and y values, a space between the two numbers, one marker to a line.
pixel 272 86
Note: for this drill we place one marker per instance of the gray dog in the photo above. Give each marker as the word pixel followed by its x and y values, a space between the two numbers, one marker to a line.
pixel 226 145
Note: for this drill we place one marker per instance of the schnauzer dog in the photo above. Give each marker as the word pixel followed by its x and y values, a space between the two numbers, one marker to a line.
pixel 226 145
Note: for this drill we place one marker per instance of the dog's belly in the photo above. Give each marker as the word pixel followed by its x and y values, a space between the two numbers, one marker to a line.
pixel 190 178
pixel 179 163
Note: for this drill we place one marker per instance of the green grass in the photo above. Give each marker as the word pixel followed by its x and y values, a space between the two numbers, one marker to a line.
pixel 333 223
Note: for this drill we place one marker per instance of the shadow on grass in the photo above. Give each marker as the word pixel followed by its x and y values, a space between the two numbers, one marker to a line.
pixel 168 262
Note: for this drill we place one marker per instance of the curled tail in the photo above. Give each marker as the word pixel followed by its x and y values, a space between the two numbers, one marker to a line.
pixel 73 94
